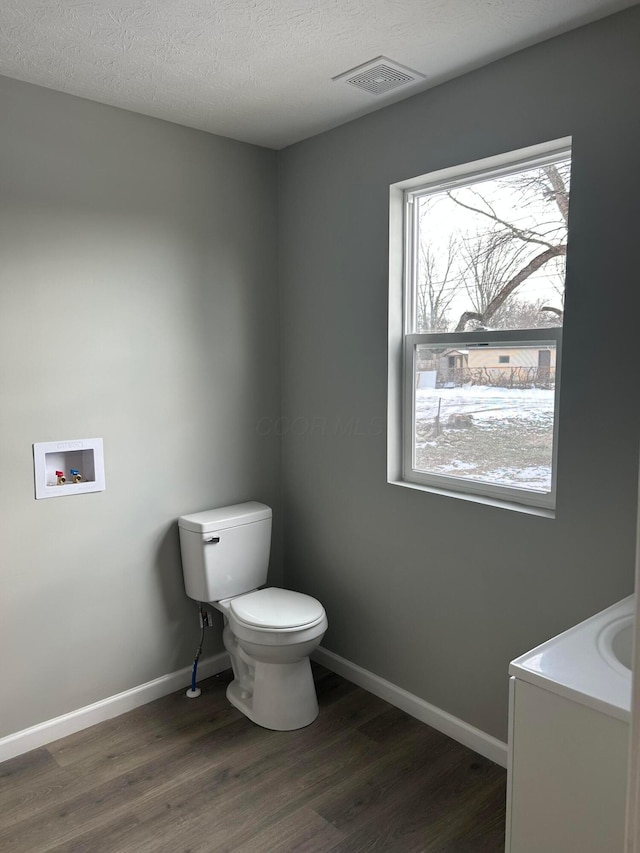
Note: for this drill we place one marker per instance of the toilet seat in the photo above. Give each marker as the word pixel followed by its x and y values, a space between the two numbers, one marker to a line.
pixel 275 609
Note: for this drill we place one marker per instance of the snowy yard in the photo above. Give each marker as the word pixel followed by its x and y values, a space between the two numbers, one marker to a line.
pixel 500 435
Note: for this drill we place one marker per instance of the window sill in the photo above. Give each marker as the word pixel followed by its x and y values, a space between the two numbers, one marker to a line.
pixel 527 509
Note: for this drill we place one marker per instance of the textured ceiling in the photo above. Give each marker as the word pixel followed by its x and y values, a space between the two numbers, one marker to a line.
pixel 260 70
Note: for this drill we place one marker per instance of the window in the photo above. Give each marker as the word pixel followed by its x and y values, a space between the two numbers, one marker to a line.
pixel 477 268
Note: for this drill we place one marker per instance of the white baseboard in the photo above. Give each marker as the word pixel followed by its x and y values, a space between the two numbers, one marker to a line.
pixel 44 733
pixel 475 739
pixel 105 709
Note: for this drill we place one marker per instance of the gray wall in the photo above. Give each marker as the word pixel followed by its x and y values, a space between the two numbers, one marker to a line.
pixel 138 303
pixel 433 593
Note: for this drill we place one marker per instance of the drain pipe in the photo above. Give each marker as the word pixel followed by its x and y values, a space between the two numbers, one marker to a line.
pixel 193 692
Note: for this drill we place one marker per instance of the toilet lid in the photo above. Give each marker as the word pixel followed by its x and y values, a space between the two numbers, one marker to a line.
pixel 276 608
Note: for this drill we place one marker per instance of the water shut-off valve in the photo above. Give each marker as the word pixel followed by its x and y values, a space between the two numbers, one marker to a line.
pixel 75 475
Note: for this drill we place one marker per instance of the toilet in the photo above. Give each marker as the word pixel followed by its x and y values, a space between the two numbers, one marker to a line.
pixel 269 632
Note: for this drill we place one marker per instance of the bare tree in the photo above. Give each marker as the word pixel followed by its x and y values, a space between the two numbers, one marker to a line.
pixel 550 182
pixel 436 288
pixel 508 253
pixel 508 288
pixel 521 314
pixel 489 259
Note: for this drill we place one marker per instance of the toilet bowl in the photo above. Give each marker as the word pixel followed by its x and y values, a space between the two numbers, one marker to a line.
pixel 268 632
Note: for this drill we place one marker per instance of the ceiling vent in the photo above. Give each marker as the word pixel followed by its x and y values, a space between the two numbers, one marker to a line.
pixel 380 75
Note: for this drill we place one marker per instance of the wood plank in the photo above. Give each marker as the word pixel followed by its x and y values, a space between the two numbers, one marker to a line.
pixel 304 831
pixel 250 798
pixel 29 783
pixel 184 775
pixel 433 811
pixel 174 716
pixel 84 803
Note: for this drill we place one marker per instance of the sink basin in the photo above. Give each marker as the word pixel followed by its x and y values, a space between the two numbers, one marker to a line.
pixel 590 663
pixel 615 644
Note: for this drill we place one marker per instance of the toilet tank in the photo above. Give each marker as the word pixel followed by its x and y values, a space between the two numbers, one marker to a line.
pixel 225 551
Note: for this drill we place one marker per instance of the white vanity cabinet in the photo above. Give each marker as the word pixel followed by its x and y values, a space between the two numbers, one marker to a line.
pixel 567 775
pixel 569 702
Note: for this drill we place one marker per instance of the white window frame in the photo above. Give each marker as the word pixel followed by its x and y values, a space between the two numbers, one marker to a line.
pixel 403 340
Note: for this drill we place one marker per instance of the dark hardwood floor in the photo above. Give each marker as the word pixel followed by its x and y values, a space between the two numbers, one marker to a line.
pixel 193 776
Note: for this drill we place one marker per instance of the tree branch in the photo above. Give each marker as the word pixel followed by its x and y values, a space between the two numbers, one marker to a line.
pixel 515 281
pixel 527 236
pixel 560 195
pixel 533 265
pixel 465 318
pixel 557 311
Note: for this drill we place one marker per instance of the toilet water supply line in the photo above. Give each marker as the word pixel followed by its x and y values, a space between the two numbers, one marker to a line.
pixel 193 692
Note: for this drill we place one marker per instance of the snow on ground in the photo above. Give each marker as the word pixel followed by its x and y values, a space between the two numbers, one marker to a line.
pixel 485 403
pixel 507 441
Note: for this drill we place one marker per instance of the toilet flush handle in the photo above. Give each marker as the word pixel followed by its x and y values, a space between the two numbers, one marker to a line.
pixel 214 539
